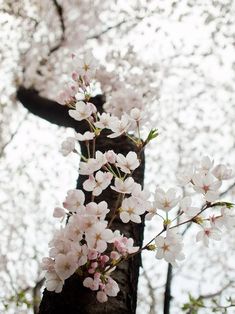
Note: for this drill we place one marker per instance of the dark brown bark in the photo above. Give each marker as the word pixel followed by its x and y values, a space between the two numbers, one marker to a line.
pixel 75 298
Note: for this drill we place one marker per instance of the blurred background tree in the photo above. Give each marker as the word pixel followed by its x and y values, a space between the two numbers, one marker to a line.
pixel 180 57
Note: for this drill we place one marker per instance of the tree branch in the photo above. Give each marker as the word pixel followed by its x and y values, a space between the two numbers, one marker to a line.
pixel 51 110
pixel 59 10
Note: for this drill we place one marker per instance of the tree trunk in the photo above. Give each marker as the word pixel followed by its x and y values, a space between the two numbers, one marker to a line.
pixel 75 298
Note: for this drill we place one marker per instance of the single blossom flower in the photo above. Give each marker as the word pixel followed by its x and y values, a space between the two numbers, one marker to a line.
pixel 118 127
pixel 129 211
pixel 128 163
pixel 185 205
pixel 124 187
pixel 53 282
pixel 65 265
pixel 98 237
pixel 82 111
pixel 206 234
pixel 98 183
pixel 170 247
pixel 74 200
pixel 207 185
pixel 166 200
pixel 100 210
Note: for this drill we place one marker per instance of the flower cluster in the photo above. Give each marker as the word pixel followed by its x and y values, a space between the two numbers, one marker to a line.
pixel 87 245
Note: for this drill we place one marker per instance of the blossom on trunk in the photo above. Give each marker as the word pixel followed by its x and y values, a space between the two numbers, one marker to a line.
pixel 118 127
pixel 65 265
pixel 98 183
pixel 98 237
pixel 74 200
pixel 54 282
pixel 124 187
pixel 128 163
pixel 99 210
pixel 129 211
pixel 82 111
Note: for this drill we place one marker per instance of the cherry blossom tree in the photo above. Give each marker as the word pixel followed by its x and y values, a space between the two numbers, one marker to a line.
pixel 40 68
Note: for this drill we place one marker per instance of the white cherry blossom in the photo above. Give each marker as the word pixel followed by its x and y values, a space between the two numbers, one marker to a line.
pixel 98 183
pixel 129 211
pixel 207 185
pixel 166 200
pixel 100 210
pixel 53 282
pixel 118 127
pixel 128 163
pixel 98 237
pixel 87 136
pixel 170 247
pixel 185 205
pixel 65 265
pixel 82 111
pixel 124 187
pixel 74 200
pixel 206 234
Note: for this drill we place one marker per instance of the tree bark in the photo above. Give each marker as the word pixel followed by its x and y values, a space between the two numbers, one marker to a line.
pixel 75 298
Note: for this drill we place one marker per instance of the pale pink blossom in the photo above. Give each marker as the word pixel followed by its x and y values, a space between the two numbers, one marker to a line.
pixel 185 205
pixel 166 200
pixel 206 234
pixel 91 283
pixel 93 164
pixel 87 65
pixel 128 163
pixel 101 296
pixel 48 264
pixel 59 212
pixel 98 237
pixel 226 219
pixel 110 156
pixel 80 253
pixel 124 245
pixel 82 111
pixel 67 146
pixel 65 265
pixel 87 136
pixel 206 185
pixel 53 282
pixel 74 200
pixel 118 127
pixel 98 183
pixel 124 187
pixel 104 120
pixel 129 211
pixel 100 210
